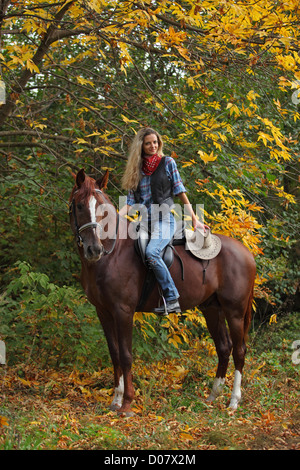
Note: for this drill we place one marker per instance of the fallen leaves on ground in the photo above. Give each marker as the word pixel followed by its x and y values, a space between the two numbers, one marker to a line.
pixel 51 409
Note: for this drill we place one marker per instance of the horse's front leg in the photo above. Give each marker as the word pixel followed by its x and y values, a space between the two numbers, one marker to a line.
pixel 119 390
pixel 108 324
pixel 124 324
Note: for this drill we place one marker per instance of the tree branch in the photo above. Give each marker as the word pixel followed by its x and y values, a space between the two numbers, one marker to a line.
pixel 31 133
pixel 50 37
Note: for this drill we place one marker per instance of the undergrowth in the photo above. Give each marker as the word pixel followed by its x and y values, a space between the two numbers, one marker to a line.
pixel 67 408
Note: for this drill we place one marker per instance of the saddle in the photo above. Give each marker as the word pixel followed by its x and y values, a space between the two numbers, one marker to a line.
pixel 167 255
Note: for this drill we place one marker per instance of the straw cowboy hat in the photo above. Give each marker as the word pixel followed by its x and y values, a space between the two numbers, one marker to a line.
pixel 202 245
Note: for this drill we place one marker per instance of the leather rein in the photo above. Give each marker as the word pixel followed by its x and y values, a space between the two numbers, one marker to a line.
pixel 83 227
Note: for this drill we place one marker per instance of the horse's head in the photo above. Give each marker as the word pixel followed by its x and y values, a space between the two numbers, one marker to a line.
pixel 88 205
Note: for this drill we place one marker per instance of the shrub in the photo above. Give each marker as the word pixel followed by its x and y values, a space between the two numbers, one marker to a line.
pixel 52 325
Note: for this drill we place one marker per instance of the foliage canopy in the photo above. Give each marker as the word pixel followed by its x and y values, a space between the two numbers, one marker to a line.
pixel 220 81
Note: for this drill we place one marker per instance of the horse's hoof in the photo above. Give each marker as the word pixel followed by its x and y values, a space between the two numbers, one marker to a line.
pixel 114 407
pixel 233 405
pixel 126 414
pixel 211 398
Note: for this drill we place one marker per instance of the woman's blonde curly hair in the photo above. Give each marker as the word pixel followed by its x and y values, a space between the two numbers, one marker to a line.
pixel 132 174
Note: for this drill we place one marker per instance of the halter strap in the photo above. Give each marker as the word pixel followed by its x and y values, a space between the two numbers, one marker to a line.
pixel 108 252
pixel 91 225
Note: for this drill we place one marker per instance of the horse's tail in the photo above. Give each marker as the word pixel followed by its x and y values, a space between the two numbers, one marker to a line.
pixel 247 318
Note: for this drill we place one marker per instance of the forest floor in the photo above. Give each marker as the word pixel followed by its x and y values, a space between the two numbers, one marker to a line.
pixel 51 409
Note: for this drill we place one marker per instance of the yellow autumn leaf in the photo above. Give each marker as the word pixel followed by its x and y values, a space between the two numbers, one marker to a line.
pixel 32 66
pixel 175 340
pixel 94 134
pixel 264 137
pixel 233 109
pixel 80 141
pixel 3 421
pixel 205 157
pixel 185 436
pixel 85 81
pixel 183 52
pixel 125 119
pixel 273 319
pixel 252 95
pixel 104 168
pixel 97 5
pixel 38 125
pixel 154 416
pixel 185 164
pixel 85 391
pixel 25 382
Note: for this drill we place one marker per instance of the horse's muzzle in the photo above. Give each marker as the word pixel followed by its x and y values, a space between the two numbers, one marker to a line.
pixel 93 252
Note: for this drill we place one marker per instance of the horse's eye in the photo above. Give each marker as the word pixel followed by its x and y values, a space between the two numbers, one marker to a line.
pixel 79 206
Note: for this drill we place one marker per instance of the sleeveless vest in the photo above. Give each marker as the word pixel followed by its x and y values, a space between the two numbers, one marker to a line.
pixel 161 186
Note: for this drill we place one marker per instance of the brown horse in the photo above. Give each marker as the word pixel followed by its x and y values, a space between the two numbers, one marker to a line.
pixel 113 276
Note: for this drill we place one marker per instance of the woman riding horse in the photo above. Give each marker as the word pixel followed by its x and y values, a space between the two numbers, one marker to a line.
pixel 152 180
pixel 115 290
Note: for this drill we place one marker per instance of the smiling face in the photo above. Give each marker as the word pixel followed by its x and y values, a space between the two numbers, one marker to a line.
pixel 150 145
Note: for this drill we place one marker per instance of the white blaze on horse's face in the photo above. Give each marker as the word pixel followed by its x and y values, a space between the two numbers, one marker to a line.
pixel 92 207
pixel 92 245
pixel 94 214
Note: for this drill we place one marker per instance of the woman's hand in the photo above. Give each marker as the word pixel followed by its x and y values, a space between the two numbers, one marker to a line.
pixel 200 225
pixel 196 223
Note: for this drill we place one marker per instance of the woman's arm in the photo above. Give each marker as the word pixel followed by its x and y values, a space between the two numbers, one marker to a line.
pixel 196 223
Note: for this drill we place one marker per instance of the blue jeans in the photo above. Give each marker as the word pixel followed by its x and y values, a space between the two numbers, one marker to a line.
pixel 162 231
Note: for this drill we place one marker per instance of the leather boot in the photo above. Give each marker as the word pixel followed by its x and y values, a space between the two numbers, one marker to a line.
pixel 171 306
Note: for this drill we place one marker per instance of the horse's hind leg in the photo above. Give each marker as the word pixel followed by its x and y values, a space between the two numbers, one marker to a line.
pixel 237 332
pixel 215 321
pixel 238 317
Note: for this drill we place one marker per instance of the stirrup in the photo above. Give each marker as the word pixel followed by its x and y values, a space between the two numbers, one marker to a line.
pixel 169 307
pixel 166 313
pixel 163 313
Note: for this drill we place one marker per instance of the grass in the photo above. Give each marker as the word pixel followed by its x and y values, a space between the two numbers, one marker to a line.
pixel 68 409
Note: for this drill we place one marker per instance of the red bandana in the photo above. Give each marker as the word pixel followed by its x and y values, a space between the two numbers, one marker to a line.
pixel 150 164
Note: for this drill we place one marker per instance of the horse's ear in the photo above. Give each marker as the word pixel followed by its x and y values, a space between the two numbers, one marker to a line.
pixel 80 177
pixel 102 182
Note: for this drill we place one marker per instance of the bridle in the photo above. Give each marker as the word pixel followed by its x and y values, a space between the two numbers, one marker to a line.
pixel 79 230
